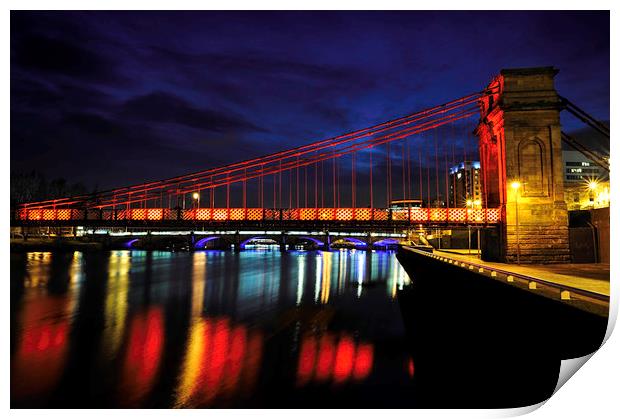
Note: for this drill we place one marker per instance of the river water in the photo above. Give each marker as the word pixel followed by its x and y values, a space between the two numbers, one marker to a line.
pixel 257 328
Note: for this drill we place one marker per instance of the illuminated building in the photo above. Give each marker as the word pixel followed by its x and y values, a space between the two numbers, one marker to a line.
pixel 465 184
pixel 579 169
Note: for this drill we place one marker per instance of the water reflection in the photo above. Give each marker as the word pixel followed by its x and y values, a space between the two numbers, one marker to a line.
pixel 142 356
pixel 201 329
pixel 46 313
pixel 329 357
pixel 221 359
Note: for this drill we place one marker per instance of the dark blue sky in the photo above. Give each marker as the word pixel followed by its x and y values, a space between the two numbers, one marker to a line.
pixel 111 98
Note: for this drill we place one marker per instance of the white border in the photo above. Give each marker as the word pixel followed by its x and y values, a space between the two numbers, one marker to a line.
pixel 593 393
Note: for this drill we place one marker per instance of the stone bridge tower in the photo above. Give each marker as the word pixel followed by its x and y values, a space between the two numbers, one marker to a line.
pixel 521 161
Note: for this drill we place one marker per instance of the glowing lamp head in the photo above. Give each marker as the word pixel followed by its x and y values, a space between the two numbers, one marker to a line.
pixel 468 202
pixel 592 185
pixel 515 185
pixel 195 195
pixel 477 202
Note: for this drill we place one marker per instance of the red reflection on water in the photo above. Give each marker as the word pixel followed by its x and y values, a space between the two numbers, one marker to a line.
pixel 220 364
pixel 344 359
pixel 217 358
pixel 305 367
pixel 340 362
pixel 143 355
pixel 363 361
pixel 411 367
pixel 42 352
pixel 325 363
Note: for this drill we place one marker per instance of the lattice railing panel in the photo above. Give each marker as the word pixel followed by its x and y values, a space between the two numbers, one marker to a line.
pixel 290 214
pixel 380 214
pixel 155 214
pixel 63 214
pixel 308 213
pixel 344 214
pixel 400 215
pixel 475 215
pixel 327 214
pixel 203 214
pixel 457 215
pixel 438 214
pixel 416 215
pixel 35 215
pixel 220 214
pixel 493 215
pixel 363 214
pixel 237 214
pixel 419 215
pixel 254 214
pixel 138 214
pixel 272 214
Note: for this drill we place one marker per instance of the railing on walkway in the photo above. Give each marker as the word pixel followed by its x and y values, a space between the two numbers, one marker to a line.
pixel 412 215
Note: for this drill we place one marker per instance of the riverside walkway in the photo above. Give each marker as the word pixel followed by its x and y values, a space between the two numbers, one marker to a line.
pixel 586 286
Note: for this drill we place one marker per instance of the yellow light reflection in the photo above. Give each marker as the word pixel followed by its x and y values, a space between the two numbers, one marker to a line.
pixel 301 271
pixel 199 271
pixel 119 266
pixel 326 277
pixel 190 372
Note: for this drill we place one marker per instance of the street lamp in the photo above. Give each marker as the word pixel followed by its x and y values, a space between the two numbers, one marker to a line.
pixel 516 185
pixel 469 203
pixel 196 197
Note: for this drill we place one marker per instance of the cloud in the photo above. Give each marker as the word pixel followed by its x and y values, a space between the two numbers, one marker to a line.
pixel 52 56
pixel 162 107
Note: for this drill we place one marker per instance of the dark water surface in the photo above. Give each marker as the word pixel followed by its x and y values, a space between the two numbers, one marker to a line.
pixel 208 329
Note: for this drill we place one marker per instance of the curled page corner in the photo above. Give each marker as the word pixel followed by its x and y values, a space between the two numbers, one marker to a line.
pixel 569 367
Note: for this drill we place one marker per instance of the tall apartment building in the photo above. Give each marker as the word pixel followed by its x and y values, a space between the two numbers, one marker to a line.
pixel 465 185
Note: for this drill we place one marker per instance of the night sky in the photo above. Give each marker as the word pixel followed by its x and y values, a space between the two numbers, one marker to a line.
pixel 113 98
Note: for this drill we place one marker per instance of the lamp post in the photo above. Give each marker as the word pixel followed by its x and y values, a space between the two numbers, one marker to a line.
pixel 470 204
pixel 196 197
pixel 516 185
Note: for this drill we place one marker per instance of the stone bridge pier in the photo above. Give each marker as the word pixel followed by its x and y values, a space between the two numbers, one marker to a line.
pixel 521 161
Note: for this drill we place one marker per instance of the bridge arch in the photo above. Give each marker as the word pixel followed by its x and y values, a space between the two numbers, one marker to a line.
pixel 200 244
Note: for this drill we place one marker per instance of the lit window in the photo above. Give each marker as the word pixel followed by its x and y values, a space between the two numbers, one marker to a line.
pixel 585 163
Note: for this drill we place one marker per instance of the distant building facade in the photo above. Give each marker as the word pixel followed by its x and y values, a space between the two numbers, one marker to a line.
pixel 465 185
pixel 579 169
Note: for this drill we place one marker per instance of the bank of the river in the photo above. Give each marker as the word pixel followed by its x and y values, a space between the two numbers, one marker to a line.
pixel 486 341
pixel 48 244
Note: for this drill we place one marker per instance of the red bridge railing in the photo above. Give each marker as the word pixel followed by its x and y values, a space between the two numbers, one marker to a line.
pixel 412 215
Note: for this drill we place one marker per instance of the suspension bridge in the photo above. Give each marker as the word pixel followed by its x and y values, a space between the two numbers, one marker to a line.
pixel 352 182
